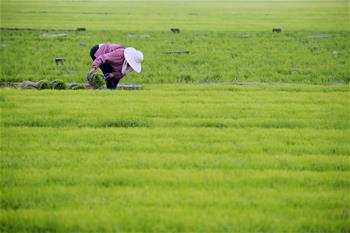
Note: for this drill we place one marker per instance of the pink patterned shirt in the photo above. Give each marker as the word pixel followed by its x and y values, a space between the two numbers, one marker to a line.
pixel 112 54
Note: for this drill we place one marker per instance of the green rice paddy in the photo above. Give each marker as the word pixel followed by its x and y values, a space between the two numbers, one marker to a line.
pixel 176 159
pixel 186 153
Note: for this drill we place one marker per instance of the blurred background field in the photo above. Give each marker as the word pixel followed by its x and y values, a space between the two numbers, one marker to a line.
pixel 226 40
pixel 195 15
pixel 294 57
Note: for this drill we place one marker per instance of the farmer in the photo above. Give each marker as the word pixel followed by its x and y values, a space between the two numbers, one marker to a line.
pixel 115 61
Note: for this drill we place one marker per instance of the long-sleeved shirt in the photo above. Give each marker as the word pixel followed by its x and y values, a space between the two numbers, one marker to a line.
pixel 112 54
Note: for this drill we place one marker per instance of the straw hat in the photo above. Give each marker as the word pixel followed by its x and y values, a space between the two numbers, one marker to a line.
pixel 134 58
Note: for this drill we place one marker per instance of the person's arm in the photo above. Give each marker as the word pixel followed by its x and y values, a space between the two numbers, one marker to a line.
pixel 106 58
pixel 100 60
pixel 91 74
pixel 93 70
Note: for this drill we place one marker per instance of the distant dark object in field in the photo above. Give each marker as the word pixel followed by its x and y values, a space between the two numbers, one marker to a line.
pixel 276 29
pixel 321 36
pixel 246 36
pixel 81 29
pixel 59 60
pixel 46 35
pixel 175 30
pixel 82 44
pixel 58 84
pixel 145 35
pixel 177 52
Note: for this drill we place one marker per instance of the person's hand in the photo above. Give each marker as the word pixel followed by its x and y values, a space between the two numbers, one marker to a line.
pixel 110 75
pixel 91 74
pixel 107 76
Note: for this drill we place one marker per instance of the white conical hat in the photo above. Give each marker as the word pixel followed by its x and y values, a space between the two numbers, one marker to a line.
pixel 134 58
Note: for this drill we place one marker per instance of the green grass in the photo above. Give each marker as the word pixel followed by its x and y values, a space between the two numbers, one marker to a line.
pixel 198 15
pixel 229 40
pixel 185 158
pixel 291 57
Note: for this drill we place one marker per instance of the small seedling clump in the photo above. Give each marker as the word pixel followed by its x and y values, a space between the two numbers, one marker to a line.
pixel 97 81
pixel 78 87
pixel 43 84
pixel 58 85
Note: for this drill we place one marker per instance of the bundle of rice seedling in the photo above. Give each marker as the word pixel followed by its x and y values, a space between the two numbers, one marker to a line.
pixel 58 85
pixel 78 87
pixel 75 86
pixel 43 84
pixel 97 81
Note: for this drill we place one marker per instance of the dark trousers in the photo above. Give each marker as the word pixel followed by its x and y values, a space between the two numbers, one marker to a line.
pixel 106 68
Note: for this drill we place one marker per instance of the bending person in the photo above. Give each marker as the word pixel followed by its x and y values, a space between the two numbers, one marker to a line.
pixel 115 61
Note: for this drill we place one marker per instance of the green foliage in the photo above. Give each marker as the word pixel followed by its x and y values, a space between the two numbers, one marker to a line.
pixel 170 158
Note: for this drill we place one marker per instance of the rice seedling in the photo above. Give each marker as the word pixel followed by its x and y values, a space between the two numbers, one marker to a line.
pixel 186 152
pixel 190 158
pixel 57 84
pixel 44 84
